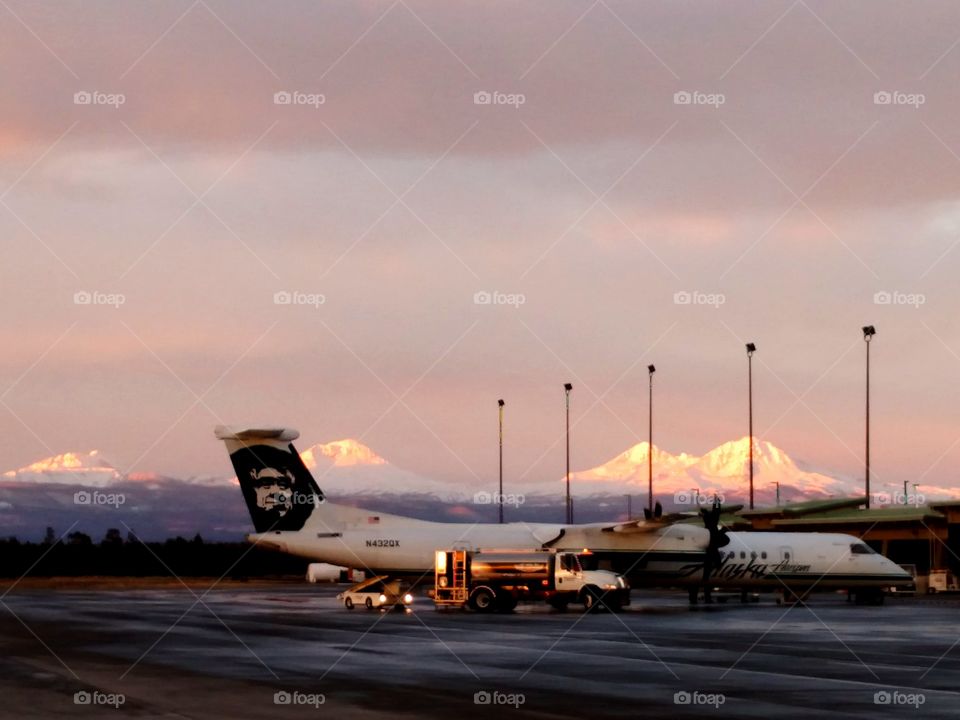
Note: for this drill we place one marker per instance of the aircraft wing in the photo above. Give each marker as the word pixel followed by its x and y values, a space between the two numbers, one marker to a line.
pixel 645 526
pixel 641 525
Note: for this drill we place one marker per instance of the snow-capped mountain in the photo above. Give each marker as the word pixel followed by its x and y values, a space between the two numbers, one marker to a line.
pixel 70 468
pixel 343 453
pixel 45 493
pixel 722 471
pixel 348 467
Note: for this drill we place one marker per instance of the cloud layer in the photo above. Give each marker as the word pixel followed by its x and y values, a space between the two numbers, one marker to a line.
pixel 677 179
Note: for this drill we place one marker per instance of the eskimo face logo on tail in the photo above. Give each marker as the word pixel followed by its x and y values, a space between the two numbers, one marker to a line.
pixel 274 489
pixel 278 488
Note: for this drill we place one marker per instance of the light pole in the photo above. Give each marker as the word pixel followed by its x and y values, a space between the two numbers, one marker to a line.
pixel 868 332
pixel 650 370
pixel 500 405
pixel 567 387
pixel 777 483
pixel 629 507
pixel 751 349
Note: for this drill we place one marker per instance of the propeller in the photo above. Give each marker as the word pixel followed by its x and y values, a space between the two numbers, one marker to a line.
pixel 718 539
pixel 657 513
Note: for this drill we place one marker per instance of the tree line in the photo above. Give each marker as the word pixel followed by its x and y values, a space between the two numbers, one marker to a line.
pixel 117 555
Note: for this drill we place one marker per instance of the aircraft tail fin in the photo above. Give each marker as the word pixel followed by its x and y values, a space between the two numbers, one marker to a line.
pixel 279 490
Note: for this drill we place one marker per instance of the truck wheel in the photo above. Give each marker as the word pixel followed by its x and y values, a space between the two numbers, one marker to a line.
pixel 483 600
pixel 369 603
pixel 591 598
pixel 348 603
pixel 558 604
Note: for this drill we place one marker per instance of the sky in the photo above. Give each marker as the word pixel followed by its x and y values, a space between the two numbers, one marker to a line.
pixel 478 200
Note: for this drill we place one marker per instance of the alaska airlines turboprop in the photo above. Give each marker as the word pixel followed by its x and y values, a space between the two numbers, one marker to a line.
pixel 290 514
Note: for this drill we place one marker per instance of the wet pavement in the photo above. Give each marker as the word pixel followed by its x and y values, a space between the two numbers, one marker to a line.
pixel 293 651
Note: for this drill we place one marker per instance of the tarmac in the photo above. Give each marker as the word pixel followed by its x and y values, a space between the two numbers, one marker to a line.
pixel 289 650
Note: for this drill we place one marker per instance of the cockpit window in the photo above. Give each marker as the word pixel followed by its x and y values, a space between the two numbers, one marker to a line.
pixel 862 549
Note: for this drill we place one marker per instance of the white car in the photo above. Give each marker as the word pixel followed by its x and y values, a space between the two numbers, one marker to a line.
pixel 376 593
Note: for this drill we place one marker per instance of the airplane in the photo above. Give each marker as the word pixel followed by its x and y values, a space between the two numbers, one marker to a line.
pixel 290 514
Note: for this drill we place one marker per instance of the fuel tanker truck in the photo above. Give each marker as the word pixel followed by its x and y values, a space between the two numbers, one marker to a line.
pixel 496 580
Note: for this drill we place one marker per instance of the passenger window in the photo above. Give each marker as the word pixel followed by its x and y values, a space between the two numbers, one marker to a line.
pixel 743 555
pixel 763 555
pixel 786 556
pixel 753 555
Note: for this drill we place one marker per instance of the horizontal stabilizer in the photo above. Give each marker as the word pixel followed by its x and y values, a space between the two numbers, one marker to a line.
pixel 244 432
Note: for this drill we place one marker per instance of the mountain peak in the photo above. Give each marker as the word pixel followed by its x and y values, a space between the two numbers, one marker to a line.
pixel 723 470
pixel 86 468
pixel 344 453
pixel 732 458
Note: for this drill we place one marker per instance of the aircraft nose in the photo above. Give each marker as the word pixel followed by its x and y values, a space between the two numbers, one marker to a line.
pixel 896 569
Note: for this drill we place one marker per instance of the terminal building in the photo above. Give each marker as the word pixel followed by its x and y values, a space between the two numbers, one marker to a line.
pixel 925 538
